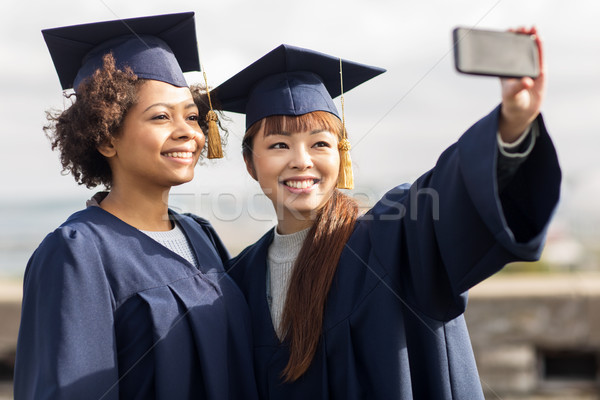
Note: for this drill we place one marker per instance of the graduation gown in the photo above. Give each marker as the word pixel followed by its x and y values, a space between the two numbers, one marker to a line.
pixel 109 313
pixel 393 324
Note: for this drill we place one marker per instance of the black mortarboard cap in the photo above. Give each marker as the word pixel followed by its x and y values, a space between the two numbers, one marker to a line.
pixel 159 47
pixel 290 80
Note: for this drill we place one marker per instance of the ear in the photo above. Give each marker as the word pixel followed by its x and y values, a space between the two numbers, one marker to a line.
pixel 250 168
pixel 107 149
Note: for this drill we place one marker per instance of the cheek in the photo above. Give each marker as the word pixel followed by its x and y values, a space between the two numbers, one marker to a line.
pixel 333 164
pixel 142 144
pixel 263 170
pixel 200 139
pixel 337 161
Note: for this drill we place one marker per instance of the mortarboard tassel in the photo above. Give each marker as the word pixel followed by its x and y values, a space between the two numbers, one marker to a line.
pixel 345 177
pixel 215 149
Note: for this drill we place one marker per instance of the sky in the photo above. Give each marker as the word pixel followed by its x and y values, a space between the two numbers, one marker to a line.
pixel 398 123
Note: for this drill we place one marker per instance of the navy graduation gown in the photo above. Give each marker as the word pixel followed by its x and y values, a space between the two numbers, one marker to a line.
pixel 109 313
pixel 393 324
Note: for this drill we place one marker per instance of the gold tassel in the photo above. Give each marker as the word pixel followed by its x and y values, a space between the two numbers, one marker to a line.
pixel 345 176
pixel 215 150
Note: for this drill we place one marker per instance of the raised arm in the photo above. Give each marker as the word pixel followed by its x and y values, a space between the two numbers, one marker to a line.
pixel 453 227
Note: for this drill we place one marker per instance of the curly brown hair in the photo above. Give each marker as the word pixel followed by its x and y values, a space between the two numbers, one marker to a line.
pixel 200 95
pixel 95 116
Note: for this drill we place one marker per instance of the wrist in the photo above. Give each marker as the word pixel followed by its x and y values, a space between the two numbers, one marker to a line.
pixel 512 125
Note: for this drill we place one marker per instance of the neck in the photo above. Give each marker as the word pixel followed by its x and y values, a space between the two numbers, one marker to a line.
pixel 145 210
pixel 289 224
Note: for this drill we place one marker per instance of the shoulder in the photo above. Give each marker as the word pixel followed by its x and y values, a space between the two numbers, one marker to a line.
pixel 251 256
pixel 77 227
pixel 260 245
pixel 82 230
pixel 390 204
pixel 191 217
pixel 195 222
pixel 204 233
pixel 70 247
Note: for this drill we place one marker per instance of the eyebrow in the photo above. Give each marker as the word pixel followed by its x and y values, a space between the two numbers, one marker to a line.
pixel 170 106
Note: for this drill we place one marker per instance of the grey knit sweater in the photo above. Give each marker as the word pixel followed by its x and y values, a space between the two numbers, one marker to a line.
pixel 280 262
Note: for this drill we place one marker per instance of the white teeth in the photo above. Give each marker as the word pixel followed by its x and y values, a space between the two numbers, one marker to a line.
pixel 180 154
pixel 300 184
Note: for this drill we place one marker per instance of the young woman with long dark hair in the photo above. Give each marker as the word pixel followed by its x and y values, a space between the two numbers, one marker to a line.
pixel 346 306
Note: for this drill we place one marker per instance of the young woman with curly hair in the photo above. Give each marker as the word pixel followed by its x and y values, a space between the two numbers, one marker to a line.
pixel 348 306
pixel 127 298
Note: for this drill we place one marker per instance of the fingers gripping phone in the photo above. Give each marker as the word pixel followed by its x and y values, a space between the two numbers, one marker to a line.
pixel 495 53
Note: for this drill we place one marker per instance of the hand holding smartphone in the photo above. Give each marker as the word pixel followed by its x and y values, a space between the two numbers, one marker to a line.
pixel 495 53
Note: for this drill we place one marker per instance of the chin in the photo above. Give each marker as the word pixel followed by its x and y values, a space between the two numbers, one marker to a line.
pixel 307 212
pixel 181 181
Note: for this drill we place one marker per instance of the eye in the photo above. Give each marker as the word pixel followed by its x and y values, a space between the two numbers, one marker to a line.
pixel 193 118
pixel 322 144
pixel 279 145
pixel 160 117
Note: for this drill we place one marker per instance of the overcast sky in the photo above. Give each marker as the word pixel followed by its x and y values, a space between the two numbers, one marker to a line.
pixel 399 122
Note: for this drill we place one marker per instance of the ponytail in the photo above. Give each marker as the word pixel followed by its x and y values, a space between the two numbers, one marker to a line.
pixel 311 279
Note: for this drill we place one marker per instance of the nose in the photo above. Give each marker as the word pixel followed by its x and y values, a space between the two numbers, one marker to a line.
pixel 301 159
pixel 186 131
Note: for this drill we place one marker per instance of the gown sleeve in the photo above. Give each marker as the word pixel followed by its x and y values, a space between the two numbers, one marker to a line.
pixel 511 156
pixel 452 228
pixel 66 347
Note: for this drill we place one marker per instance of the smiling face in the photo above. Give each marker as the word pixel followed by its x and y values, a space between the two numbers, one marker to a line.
pixel 160 140
pixel 296 163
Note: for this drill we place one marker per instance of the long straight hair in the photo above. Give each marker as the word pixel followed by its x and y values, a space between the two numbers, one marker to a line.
pixel 315 267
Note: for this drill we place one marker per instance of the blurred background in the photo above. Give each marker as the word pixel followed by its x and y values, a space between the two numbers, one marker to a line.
pixel 533 326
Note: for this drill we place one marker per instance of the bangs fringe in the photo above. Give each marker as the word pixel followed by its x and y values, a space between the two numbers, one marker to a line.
pixel 321 120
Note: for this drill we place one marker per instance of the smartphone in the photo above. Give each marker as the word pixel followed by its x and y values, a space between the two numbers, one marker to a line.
pixel 495 53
